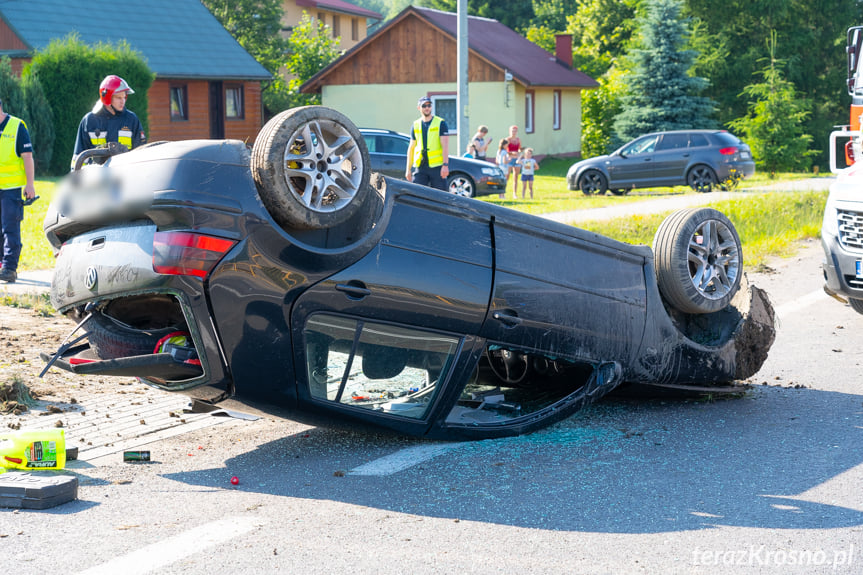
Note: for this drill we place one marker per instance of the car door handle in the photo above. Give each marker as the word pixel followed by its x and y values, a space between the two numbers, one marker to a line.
pixel 507 319
pixel 354 290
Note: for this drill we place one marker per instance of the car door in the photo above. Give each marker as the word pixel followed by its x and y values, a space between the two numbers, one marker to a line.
pixel 384 337
pixel 671 159
pixel 632 166
pixel 566 293
pixel 388 154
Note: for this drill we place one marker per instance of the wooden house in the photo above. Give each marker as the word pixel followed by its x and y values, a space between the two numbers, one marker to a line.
pixel 511 81
pixel 206 86
pixel 347 21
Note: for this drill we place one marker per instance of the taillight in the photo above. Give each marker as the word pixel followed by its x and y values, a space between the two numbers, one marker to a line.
pixel 185 253
pixel 729 151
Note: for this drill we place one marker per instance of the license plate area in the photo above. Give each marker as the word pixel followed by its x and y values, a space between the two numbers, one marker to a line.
pixel 859 268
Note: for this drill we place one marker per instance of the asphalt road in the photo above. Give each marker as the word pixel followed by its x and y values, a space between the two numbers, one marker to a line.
pixel 764 483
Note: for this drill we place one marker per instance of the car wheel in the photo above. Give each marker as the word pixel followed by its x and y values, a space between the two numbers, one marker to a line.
pixel 698 260
pixel 461 185
pixel 620 192
pixel 856 305
pixel 592 182
pixel 312 168
pixel 701 178
pixel 110 339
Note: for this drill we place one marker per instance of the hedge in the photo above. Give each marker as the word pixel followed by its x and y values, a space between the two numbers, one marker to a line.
pixel 70 72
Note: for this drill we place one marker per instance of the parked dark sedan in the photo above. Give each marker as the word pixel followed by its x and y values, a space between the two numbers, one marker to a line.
pixel 388 152
pixel 283 277
pixel 701 159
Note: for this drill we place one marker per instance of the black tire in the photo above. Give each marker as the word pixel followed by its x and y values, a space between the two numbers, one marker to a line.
pixel 110 339
pixel 620 192
pixel 461 185
pixel 592 182
pixel 698 260
pixel 312 168
pixel 856 305
pixel 701 178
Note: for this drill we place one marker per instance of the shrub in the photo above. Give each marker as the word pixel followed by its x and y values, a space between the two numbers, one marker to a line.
pixel 70 72
pixel 25 99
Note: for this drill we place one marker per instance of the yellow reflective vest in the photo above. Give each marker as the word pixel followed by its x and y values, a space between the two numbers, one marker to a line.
pixel 435 152
pixel 12 174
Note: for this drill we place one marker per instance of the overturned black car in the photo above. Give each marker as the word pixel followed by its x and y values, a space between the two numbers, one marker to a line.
pixel 291 276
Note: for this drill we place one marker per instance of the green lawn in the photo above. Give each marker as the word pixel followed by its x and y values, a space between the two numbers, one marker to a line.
pixel 37 253
pixel 768 223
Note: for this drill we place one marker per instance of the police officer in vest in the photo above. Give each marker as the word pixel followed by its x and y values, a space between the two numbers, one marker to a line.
pixel 428 154
pixel 110 121
pixel 16 171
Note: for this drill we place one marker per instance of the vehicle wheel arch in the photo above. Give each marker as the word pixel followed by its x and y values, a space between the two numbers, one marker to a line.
pixel 701 177
pixel 698 260
pixel 325 180
pixel 592 180
pixel 458 174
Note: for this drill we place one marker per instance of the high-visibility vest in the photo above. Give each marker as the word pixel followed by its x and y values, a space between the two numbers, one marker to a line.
pixel 100 138
pixel 435 152
pixel 12 174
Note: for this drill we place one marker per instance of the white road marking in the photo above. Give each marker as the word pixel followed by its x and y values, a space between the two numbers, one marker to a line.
pixel 152 557
pixel 800 303
pixel 403 459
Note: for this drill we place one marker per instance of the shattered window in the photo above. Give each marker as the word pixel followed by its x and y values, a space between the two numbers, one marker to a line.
pixel 386 368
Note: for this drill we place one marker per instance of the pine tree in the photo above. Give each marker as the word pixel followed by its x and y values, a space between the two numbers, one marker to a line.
pixel 774 126
pixel 661 95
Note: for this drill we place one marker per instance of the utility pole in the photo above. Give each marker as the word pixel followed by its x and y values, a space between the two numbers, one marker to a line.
pixel 463 124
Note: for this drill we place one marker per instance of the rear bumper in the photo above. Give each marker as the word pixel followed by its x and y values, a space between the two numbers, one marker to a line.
pixel 116 263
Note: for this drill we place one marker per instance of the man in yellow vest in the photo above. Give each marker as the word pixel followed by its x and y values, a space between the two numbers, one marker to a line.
pixel 16 171
pixel 428 154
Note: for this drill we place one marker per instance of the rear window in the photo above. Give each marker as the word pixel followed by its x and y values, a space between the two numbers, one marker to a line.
pixel 727 139
pixel 698 141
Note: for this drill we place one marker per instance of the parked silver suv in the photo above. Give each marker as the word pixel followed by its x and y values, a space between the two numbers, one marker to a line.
pixel 842 238
pixel 701 159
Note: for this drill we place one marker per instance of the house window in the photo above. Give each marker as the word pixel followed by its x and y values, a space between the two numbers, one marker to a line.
pixel 528 112
pixel 179 103
pixel 555 121
pixel 336 31
pixel 234 107
pixel 444 105
pixel 355 29
pixel 321 18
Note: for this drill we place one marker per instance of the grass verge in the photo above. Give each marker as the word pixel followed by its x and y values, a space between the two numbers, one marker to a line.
pixel 39 303
pixel 768 224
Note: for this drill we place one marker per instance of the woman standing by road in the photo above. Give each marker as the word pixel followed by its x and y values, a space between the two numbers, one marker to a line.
pixel 514 148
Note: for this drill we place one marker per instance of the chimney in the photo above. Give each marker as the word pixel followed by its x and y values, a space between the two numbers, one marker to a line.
pixel 563 48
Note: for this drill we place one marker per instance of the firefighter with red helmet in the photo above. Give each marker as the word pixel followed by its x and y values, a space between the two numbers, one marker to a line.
pixel 110 120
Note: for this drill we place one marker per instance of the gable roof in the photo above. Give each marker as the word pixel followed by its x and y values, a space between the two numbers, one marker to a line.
pixel 528 63
pixel 340 6
pixel 495 43
pixel 178 38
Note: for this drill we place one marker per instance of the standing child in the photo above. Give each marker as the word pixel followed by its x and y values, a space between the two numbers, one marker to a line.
pixel 503 164
pixel 481 142
pixel 471 151
pixel 528 167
